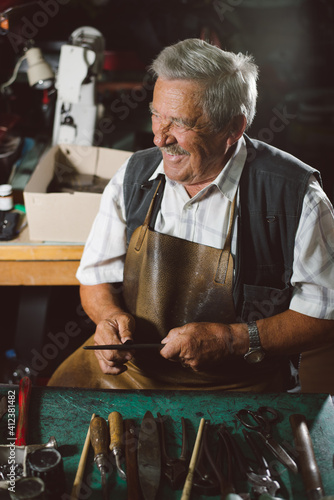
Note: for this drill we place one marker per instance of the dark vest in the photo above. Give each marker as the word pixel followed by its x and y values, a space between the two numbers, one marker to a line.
pixel 272 189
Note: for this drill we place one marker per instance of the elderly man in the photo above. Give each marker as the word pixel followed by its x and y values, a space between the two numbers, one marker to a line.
pixel 218 246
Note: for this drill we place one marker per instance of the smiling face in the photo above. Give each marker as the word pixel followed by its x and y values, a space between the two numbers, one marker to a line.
pixel 193 155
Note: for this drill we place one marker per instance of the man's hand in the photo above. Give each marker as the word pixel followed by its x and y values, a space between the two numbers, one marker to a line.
pixel 199 345
pixel 115 330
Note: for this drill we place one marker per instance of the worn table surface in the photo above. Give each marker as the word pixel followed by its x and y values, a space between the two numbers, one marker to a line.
pixel 26 262
pixel 66 413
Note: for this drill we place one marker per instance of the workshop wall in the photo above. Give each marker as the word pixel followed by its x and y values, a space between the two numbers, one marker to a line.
pixel 292 42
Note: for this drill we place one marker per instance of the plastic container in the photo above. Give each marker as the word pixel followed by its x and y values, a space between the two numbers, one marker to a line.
pixel 29 488
pixel 6 197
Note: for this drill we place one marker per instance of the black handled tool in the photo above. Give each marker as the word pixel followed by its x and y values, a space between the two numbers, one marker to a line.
pixel 123 347
pixel 308 465
pixel 99 440
pixel 174 468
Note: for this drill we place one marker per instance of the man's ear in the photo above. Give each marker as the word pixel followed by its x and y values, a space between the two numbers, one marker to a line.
pixel 237 127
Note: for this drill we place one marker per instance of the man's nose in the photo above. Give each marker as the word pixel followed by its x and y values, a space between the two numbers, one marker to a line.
pixel 162 135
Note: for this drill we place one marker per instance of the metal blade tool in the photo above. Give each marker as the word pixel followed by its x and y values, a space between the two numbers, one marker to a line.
pixel 149 457
pixel 116 439
pixel 99 440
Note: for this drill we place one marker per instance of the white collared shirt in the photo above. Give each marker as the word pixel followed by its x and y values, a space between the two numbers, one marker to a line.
pixel 204 219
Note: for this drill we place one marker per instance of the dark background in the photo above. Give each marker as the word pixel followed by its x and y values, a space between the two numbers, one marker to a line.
pixel 292 42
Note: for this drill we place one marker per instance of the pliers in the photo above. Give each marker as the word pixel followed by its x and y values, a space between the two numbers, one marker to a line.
pixel 207 478
pixel 261 481
pixel 175 469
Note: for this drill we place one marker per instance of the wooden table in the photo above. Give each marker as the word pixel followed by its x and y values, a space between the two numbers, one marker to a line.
pixel 38 266
pixel 23 262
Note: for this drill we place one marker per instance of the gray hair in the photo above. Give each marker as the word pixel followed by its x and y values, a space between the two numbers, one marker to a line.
pixel 228 79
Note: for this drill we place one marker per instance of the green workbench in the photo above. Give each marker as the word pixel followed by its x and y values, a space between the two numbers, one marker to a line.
pixel 66 413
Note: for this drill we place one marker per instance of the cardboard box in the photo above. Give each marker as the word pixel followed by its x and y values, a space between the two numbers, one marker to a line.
pixel 67 217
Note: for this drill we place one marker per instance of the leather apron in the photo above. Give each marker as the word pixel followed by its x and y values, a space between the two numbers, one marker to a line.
pixel 169 282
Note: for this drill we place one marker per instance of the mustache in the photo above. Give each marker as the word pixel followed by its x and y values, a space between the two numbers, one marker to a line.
pixel 174 149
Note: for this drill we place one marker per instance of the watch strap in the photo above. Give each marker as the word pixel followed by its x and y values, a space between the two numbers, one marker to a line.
pixel 254 336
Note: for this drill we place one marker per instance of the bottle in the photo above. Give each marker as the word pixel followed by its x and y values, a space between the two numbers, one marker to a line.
pixel 14 369
pixel 6 197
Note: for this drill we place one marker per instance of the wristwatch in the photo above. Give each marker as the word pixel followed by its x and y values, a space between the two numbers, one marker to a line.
pixel 255 353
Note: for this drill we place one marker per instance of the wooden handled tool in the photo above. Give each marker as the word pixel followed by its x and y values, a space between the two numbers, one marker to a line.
pixel 81 467
pixel 99 439
pixel 131 445
pixel 116 439
pixel 189 480
pixel 308 465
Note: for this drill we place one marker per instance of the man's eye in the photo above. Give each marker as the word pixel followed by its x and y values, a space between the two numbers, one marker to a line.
pixel 181 125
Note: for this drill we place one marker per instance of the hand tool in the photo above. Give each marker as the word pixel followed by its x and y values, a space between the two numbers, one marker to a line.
pixel 99 441
pixel 266 484
pixel 116 437
pixel 175 469
pixel 131 446
pixel 224 458
pixel 260 481
pixel 124 347
pixel 81 467
pixel 189 480
pixel 149 457
pixel 238 467
pixel 306 458
pixel 262 421
pixel 206 478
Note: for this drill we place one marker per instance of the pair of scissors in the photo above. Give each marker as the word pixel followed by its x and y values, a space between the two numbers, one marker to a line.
pixel 261 421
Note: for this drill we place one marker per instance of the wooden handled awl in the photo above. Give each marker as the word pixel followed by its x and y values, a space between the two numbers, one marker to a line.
pixel 307 462
pixel 99 439
pixel 116 439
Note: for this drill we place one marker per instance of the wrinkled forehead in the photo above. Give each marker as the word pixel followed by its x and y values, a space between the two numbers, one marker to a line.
pixel 177 99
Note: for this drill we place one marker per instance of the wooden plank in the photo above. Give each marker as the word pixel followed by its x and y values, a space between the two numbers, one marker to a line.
pixel 38 273
pixel 22 248
pixel 40 252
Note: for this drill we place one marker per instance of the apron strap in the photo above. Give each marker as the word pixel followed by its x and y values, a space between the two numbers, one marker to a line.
pixel 225 254
pixel 146 223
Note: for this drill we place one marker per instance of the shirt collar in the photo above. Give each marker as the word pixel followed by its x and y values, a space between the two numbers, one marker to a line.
pixel 227 180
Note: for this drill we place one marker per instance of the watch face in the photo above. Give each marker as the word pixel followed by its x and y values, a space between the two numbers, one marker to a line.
pixel 255 355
